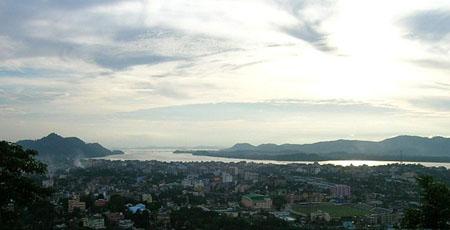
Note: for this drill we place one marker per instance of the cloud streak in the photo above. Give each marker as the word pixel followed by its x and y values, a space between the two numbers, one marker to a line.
pixel 258 110
pixel 222 66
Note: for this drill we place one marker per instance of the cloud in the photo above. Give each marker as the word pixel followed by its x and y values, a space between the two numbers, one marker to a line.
pixel 433 63
pixel 257 110
pixel 431 28
pixel 438 104
pixel 71 30
pixel 310 16
pixel 217 66
pixel 120 61
pixel 429 25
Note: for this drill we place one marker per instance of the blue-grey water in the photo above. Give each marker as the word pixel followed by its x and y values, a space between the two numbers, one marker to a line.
pixel 167 155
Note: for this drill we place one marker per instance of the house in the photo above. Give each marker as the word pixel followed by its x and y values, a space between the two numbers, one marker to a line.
pixel 147 198
pixel 320 215
pixel 95 222
pixel 100 203
pixel 125 224
pixel 76 203
pixel 113 218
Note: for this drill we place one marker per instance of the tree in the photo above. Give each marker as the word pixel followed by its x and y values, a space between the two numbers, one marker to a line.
pixel 141 219
pixel 279 202
pixel 18 191
pixel 412 219
pixel 434 211
pixel 116 203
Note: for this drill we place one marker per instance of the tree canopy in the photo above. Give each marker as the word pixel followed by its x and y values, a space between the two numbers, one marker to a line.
pixel 18 190
pixel 434 211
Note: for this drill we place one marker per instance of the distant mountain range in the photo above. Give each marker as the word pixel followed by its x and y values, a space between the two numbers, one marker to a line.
pixel 408 148
pixel 57 150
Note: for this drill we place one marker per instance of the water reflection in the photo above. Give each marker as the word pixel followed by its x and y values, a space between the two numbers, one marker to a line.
pixel 167 155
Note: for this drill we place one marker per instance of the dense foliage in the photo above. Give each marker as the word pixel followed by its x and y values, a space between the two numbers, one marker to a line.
pixel 20 195
pixel 196 218
pixel 434 211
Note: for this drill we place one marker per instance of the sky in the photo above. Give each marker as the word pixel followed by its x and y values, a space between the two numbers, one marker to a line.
pixel 216 72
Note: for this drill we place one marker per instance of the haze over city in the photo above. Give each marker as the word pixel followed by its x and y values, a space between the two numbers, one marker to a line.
pixel 186 73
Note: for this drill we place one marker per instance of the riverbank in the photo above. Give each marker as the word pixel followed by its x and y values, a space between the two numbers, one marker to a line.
pixel 167 155
pixel 313 157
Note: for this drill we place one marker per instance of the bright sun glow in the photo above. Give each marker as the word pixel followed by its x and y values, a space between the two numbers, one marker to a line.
pixel 96 63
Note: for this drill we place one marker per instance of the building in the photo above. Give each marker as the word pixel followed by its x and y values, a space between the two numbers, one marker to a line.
pixel 100 203
pixel 76 203
pixel 136 208
pixel 242 188
pixel 227 178
pixel 340 191
pixel 95 222
pixel 113 218
pixel 47 183
pixel 313 197
pixel 319 216
pixel 147 198
pixel 199 186
pixel 163 217
pixel 251 176
pixel 256 201
pixel 125 224
pixel 187 182
pixel 234 171
pixel 292 198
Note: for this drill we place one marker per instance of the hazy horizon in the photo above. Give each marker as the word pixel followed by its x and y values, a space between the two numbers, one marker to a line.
pixel 219 72
pixel 205 146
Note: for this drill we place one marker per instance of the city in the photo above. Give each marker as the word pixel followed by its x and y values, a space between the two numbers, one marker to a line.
pixel 157 195
pixel 224 114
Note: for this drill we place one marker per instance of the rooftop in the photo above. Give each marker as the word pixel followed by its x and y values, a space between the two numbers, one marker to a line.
pixel 255 197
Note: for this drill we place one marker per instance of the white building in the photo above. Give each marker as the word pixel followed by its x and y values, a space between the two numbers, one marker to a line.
pixel 227 178
pixel 147 198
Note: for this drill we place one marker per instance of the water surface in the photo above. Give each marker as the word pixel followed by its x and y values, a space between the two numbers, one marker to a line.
pixel 167 155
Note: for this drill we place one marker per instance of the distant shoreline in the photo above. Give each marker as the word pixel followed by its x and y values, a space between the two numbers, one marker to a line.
pixel 313 157
pixel 165 155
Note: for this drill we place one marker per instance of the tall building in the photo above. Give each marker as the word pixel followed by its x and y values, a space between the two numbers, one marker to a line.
pixel 227 178
pixel 341 191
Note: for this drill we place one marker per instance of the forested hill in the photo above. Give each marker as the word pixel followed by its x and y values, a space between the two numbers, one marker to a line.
pixel 408 148
pixel 56 150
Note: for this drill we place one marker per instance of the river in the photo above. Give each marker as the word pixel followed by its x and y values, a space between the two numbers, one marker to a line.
pixel 167 155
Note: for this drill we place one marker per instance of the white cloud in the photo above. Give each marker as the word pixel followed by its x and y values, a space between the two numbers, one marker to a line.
pixel 95 59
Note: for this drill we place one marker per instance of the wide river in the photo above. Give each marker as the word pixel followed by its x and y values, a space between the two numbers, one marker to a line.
pixel 167 155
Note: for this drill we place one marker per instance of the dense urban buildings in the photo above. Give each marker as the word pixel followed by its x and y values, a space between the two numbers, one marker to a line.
pixel 103 194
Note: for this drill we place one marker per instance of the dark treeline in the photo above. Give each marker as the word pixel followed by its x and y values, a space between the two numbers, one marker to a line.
pixel 300 156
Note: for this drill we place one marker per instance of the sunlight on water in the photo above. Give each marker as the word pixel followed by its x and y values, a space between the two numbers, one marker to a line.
pixel 167 155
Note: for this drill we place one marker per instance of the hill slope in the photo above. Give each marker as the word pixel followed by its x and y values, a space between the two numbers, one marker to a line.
pixel 405 145
pixel 57 150
pixel 408 148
